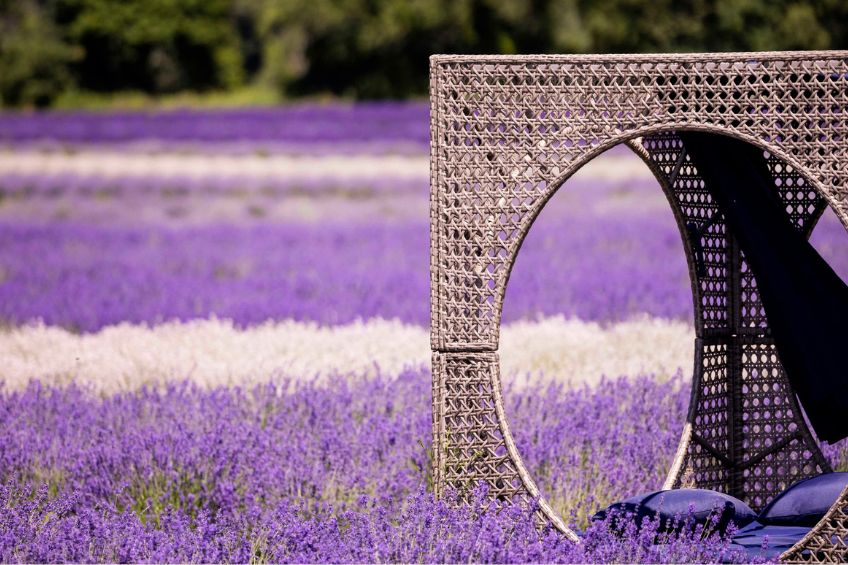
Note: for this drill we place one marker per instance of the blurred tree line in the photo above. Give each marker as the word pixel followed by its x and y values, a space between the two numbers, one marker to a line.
pixel 359 48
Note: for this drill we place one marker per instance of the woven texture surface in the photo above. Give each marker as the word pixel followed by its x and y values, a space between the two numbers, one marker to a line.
pixel 508 131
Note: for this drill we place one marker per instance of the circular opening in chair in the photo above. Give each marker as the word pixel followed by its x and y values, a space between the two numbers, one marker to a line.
pixel 597 326
pixel 600 275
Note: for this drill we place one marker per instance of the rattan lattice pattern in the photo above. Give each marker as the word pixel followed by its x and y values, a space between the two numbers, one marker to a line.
pixel 508 131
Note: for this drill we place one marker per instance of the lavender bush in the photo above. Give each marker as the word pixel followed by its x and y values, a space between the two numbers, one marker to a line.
pixel 87 277
pixel 425 531
pixel 316 474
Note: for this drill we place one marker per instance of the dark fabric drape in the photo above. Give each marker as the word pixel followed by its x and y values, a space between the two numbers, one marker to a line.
pixel 806 302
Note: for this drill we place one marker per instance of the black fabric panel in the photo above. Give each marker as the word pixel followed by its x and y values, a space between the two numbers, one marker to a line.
pixel 806 302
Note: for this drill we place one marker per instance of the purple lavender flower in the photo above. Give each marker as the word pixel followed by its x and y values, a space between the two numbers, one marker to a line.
pixel 383 126
pixel 316 474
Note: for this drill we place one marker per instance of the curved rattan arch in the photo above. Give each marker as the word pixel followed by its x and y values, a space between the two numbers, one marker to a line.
pixel 632 140
pixel 507 132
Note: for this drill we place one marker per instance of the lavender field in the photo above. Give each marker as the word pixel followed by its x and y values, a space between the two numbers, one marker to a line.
pixel 214 344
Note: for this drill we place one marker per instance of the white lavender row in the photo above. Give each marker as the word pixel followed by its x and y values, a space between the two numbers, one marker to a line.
pixel 212 352
pixel 111 172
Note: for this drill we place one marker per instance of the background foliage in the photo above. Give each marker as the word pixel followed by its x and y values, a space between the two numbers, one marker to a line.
pixel 357 48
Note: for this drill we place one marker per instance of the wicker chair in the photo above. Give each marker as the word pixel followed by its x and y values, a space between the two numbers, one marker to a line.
pixel 508 131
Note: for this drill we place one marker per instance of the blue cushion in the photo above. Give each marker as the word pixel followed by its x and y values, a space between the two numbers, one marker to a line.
pixel 672 505
pixel 777 538
pixel 805 502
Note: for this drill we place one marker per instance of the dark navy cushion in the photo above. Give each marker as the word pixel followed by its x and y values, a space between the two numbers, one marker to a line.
pixel 805 502
pixel 671 506
pixel 777 539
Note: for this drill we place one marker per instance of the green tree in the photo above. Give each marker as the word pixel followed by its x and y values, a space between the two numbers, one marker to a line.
pixel 34 60
pixel 371 48
pixel 361 48
pixel 154 45
pixel 365 48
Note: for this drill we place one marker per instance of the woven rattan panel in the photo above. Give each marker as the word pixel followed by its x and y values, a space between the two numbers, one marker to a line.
pixel 803 206
pixel 777 448
pixel 471 434
pixel 508 131
pixel 706 239
pixel 705 461
pixel 747 435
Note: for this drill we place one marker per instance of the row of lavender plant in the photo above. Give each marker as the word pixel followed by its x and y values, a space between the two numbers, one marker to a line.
pixel 333 474
pixel 86 277
pixel 382 126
